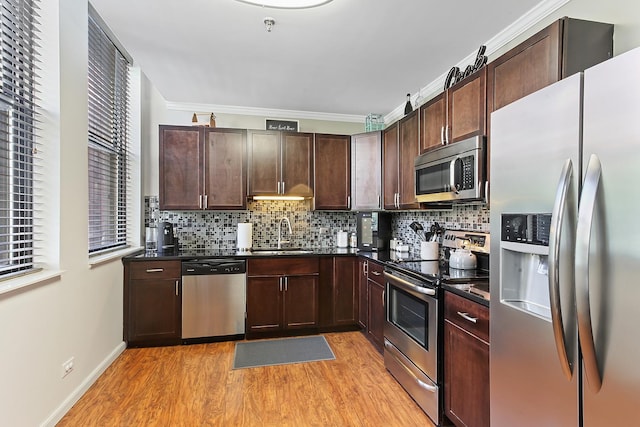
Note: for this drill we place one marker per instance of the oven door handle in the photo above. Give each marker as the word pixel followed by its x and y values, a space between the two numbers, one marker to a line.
pixel 421 383
pixel 402 282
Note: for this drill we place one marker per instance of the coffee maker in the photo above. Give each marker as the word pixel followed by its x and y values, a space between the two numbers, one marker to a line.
pixel 374 230
pixel 167 242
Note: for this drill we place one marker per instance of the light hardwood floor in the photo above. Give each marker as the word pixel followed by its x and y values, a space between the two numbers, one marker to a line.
pixel 195 385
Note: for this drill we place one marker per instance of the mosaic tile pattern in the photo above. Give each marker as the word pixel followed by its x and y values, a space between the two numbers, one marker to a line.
pixel 311 229
pixel 464 217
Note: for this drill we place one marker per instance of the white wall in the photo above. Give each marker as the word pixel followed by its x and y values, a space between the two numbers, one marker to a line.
pixel 80 314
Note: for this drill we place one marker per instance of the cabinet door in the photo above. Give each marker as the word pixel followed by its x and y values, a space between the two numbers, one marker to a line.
pixel 297 164
pixel 526 68
pixel 264 304
pixel 180 168
pixel 366 171
pixel 390 163
pixel 408 150
pixel 467 105
pixel 466 377
pixel 433 119
pixel 363 295
pixel 225 169
pixel 345 288
pixel 376 314
pixel 332 171
pixel 154 310
pixel 300 302
pixel 264 162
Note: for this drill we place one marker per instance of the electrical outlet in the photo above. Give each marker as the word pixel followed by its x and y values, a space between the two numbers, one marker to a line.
pixel 323 230
pixel 67 367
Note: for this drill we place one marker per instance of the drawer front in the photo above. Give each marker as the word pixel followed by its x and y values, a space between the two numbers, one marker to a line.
pixel 376 272
pixel 153 269
pixel 283 266
pixel 462 312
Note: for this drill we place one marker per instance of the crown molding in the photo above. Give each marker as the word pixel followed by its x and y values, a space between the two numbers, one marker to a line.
pixel 504 37
pixel 265 112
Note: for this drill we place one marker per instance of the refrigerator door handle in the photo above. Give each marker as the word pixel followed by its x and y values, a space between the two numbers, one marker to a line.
pixel 557 221
pixel 586 210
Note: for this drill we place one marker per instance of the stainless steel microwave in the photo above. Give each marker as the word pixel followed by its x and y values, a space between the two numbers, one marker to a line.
pixel 453 173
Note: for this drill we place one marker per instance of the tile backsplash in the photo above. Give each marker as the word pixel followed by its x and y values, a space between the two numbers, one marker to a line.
pixel 311 229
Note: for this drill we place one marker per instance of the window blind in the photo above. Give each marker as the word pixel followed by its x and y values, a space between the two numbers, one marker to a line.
pixel 108 82
pixel 18 103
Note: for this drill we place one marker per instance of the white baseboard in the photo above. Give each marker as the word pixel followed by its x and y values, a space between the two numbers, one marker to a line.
pixel 57 415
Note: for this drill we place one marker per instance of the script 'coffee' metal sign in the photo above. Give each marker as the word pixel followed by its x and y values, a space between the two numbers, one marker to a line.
pixel 455 75
pixel 283 125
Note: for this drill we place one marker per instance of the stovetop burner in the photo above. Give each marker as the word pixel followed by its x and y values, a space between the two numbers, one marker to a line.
pixel 439 271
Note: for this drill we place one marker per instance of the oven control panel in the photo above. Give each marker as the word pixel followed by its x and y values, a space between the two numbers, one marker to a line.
pixel 475 241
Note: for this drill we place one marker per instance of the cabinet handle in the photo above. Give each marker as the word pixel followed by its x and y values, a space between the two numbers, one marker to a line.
pixel 379 204
pixel 383 300
pixel 467 317
pixel 280 283
pixel 177 288
pixel 155 270
pixel 206 201
pixel 365 269
pixel 200 202
pixel 282 187
pixel 376 273
pixel 446 134
pixel 442 135
pixel 348 202
pixel 286 284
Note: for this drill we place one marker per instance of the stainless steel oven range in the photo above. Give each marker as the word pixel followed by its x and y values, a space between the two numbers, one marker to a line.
pixel 411 338
pixel 413 322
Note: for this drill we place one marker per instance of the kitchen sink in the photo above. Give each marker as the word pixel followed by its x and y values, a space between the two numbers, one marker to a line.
pixel 287 251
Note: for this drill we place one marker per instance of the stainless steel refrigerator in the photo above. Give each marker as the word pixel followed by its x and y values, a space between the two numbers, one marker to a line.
pixel 565 265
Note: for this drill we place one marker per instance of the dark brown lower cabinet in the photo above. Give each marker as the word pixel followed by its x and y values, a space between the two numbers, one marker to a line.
pixel 338 292
pixel 152 303
pixel 282 295
pixel 466 362
pixel 375 330
pixel 372 304
pixel 371 311
pixel 363 294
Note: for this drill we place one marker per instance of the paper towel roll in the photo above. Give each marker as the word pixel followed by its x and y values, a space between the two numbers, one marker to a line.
pixel 245 236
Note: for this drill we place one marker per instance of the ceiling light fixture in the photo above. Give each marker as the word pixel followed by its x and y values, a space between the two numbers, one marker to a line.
pixel 287 4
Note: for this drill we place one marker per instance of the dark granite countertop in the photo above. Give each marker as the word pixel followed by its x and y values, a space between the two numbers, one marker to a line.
pixel 232 253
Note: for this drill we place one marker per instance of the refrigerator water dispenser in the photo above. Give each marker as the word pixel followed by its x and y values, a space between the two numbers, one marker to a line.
pixel 524 278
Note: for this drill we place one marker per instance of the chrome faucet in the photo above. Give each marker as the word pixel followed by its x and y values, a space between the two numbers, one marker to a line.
pixel 280 240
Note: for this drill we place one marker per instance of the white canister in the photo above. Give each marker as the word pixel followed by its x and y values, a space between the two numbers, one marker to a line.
pixel 342 239
pixel 429 251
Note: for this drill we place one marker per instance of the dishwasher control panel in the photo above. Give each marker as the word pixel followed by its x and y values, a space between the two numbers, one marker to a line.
pixel 213 266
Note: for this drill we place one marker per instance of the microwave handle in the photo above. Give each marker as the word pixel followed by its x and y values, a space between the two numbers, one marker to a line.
pixel 453 172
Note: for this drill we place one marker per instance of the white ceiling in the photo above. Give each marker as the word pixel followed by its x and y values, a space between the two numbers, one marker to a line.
pixel 348 57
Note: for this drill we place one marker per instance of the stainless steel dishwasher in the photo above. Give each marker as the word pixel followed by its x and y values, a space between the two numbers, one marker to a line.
pixel 213 298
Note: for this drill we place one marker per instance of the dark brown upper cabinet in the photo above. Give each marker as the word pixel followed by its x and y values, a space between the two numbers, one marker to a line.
pixel 565 47
pixel 457 113
pixel 332 169
pixel 202 168
pixel 400 148
pixel 280 164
